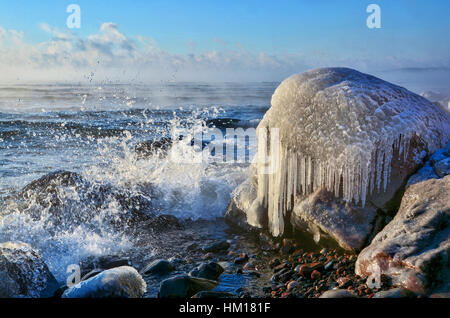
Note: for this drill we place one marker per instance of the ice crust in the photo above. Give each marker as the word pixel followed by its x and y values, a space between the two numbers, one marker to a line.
pixel 338 129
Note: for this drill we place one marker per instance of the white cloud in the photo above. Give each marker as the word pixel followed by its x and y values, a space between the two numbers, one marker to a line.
pixel 111 55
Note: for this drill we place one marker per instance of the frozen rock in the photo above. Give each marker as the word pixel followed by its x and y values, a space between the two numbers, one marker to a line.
pixel 350 133
pixel 120 282
pixel 442 167
pixel 424 174
pixel 244 210
pixel 438 166
pixel 23 273
pixel 413 249
pixel 327 218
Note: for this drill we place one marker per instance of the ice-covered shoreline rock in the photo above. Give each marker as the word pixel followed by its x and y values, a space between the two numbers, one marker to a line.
pixel 341 131
pixel 23 273
pixel 119 282
pixel 413 249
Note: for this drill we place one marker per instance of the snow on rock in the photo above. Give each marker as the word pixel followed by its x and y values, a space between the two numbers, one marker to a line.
pixel 438 166
pixel 413 249
pixel 341 130
pixel 23 273
pixel 119 282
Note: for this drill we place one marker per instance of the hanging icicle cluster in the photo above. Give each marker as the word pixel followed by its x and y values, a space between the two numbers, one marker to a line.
pixel 338 129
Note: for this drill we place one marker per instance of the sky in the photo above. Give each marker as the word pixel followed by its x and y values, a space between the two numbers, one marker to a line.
pixel 215 40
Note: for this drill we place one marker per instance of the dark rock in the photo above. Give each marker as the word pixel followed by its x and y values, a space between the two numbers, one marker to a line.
pixel 46 192
pixel 92 264
pixel 338 293
pixel 91 274
pixel 440 295
pixel 120 282
pixel 192 247
pixel 213 294
pixel 307 269
pixel 158 267
pixel 162 223
pixel 217 247
pixel 184 286
pixel 210 271
pixel 274 262
pixel 315 275
pixel 23 273
pixel 395 293
pixel 152 147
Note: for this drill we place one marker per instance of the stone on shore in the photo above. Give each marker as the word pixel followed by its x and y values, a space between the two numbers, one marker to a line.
pixel 413 249
pixel 218 247
pixel 184 286
pixel 210 271
pixel 120 282
pixel 395 293
pixel 158 267
pixel 338 293
pixel 23 272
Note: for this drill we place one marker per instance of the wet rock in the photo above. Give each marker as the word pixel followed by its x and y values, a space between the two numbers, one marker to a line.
pixel 213 294
pixel 217 247
pixel 241 259
pixel 243 210
pixel 50 192
pixel 164 222
pixel 327 218
pixel 293 284
pixel 184 286
pixel 344 282
pixel 413 248
pixel 307 269
pixel 210 271
pixel 158 267
pixel 315 275
pixel 192 247
pixel 274 262
pixel 442 167
pixel 91 274
pixel 249 266
pixel 120 282
pixel 23 272
pixel 395 293
pixel 338 293
pixel 440 295
pixel 152 147
pixel 93 265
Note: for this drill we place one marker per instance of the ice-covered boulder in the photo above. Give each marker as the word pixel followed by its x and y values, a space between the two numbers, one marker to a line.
pixel 23 273
pixel 119 282
pixel 243 210
pixel 413 249
pixel 350 133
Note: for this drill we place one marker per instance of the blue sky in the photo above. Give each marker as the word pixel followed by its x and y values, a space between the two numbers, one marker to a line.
pixel 414 33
